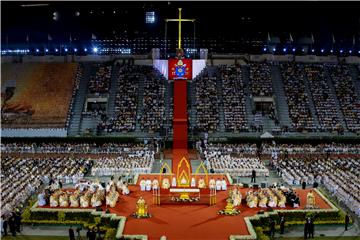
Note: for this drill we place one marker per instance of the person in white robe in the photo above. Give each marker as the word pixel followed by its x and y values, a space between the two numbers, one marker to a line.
pixel 201 183
pixel 148 185
pixel 155 184
pixel 212 184
pixel 125 189
pixel 41 200
pixel 119 185
pixel 193 182
pixel 173 182
pixel 165 183
pixel 218 185
pixel 142 185
pixel 223 185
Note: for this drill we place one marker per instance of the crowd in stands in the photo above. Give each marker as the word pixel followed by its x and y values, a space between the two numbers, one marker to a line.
pixel 325 148
pixel 153 114
pixel 72 147
pixel 125 102
pixel 296 96
pixel 207 119
pixel 260 79
pixel 341 176
pixel 324 101
pixel 22 177
pixel 100 83
pixel 233 98
pixel 345 92
pixel 235 159
pixel 220 148
pixel 129 162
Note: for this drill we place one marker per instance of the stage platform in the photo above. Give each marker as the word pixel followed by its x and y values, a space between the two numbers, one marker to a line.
pixel 190 221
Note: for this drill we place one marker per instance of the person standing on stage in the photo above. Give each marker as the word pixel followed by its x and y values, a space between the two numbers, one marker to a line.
pixel 306 227
pixel 282 224
pixel 253 176
pixel 347 221
pixel 311 228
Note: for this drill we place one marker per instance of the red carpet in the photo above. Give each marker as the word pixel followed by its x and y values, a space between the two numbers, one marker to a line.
pixel 189 221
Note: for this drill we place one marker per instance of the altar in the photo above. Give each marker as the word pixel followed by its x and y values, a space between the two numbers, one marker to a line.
pixel 186 195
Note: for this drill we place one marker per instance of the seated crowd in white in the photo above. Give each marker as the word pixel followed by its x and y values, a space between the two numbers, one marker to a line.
pixel 21 177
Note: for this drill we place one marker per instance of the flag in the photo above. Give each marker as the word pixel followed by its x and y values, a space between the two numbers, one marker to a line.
pixel 333 39
pixel 27 38
pixel 312 39
pixel 49 37
pixel 291 38
pixel 268 38
pixel 93 37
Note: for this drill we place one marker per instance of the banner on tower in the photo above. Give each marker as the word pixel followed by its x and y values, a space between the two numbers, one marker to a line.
pixel 180 69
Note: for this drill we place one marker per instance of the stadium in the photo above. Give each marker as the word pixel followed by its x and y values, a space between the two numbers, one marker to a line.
pixel 180 120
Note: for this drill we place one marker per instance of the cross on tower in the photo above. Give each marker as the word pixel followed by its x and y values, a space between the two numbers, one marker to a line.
pixel 179 20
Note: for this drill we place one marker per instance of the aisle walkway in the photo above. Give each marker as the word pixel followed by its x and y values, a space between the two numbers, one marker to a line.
pixel 325 230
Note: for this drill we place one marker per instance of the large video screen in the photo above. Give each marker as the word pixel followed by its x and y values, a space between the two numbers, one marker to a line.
pixel 180 69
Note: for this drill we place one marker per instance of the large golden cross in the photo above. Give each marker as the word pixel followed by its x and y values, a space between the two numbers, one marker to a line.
pixel 180 20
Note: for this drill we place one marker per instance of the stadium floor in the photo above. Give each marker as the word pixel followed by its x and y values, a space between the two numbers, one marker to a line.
pixel 189 221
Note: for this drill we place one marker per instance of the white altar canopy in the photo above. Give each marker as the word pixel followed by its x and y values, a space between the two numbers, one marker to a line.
pixel 184 190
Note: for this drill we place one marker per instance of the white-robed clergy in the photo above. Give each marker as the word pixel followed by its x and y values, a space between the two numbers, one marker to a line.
pixel 148 185
pixel 125 189
pixel 218 185
pixel 193 182
pixel 212 184
pixel 41 200
pixel 173 182
pixel 223 185
pixel 142 185
pixel 165 183
pixel 155 184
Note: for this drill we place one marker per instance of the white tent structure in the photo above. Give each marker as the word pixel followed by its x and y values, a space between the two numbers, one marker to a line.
pixel 266 135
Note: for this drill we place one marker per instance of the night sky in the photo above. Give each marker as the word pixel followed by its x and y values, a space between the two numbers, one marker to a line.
pixel 213 19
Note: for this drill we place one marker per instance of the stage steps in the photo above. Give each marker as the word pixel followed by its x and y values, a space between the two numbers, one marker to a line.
pixel 269 124
pixel 311 101
pixel 74 125
pixel 248 101
pixel 140 104
pixel 354 72
pixel 192 153
pixel 89 123
pixel 280 98
pixel 333 93
pixel 219 88
pixel 112 92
